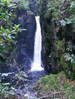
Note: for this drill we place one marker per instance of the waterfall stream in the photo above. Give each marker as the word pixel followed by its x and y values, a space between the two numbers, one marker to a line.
pixel 36 64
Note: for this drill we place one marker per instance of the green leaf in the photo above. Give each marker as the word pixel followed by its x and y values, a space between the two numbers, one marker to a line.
pixel 2 28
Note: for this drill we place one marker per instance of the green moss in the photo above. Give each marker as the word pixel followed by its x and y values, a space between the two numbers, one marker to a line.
pixel 59 45
pixel 66 85
pixel 56 83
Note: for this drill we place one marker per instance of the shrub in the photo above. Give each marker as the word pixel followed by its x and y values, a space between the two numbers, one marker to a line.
pixel 8 30
pixel 68 63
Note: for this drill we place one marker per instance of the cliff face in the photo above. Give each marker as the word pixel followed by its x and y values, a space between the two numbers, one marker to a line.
pixel 26 38
pixel 49 39
pixel 34 5
pixel 49 45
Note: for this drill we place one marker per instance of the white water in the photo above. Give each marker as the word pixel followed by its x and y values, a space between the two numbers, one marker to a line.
pixel 36 65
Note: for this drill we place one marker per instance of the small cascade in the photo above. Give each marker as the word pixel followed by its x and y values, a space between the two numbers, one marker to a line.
pixel 36 65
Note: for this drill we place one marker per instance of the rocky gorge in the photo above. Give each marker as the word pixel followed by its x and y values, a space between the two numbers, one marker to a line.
pixel 56 52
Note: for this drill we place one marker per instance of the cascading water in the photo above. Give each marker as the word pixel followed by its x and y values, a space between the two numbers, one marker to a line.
pixel 36 65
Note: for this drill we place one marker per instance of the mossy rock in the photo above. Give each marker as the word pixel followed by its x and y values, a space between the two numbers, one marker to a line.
pixel 56 86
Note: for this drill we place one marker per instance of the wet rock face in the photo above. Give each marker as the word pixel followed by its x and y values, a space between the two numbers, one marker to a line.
pixel 34 6
pixel 4 68
pixel 26 38
pixel 49 45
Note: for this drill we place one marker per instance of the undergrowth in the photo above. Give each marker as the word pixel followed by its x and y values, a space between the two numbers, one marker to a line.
pixel 56 86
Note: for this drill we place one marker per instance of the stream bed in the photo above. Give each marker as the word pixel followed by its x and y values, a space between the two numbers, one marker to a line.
pixel 24 89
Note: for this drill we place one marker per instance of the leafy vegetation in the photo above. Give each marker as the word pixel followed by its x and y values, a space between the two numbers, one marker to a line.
pixel 62 13
pixel 8 30
pixel 56 86
pixel 68 62
pixel 21 3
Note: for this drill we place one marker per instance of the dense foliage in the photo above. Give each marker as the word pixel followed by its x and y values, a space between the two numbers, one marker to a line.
pixel 8 30
pixel 62 13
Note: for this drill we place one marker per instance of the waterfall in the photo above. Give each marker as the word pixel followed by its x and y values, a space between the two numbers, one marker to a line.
pixel 36 64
